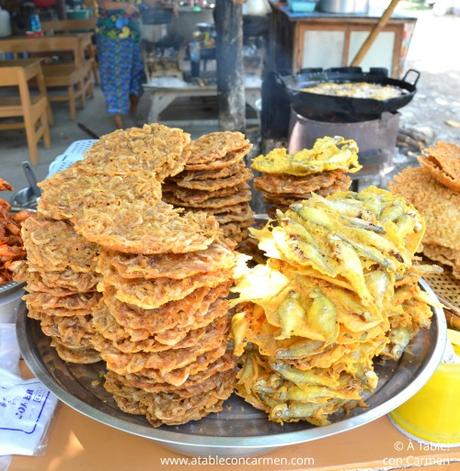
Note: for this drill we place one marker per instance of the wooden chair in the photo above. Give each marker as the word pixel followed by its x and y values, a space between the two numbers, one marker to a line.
pixel 73 78
pixel 76 26
pixel 32 108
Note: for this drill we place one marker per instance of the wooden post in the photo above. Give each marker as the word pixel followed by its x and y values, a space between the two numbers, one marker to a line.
pixel 374 33
pixel 228 18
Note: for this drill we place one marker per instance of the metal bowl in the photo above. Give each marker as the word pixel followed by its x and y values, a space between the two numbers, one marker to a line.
pixel 239 429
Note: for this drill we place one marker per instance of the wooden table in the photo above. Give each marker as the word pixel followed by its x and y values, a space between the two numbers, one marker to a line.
pixel 78 443
pixel 164 90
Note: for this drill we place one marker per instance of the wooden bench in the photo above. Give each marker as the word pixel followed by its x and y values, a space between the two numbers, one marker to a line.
pixel 32 108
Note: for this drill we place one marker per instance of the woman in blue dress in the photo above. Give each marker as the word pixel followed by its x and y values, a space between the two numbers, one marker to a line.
pixel 119 56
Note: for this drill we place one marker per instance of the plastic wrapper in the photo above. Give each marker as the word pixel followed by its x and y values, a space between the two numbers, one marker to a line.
pixel 26 405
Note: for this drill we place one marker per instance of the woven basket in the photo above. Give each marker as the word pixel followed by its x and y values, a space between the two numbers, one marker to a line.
pixel 447 288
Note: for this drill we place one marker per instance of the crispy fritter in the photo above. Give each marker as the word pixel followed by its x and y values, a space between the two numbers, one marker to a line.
pixel 302 186
pixel 212 203
pixel 106 325
pixel 68 193
pixel 439 205
pixel 327 153
pixel 168 360
pixel 444 255
pixel 75 331
pixel 151 294
pixel 217 256
pixel 215 184
pixel 224 363
pixel 185 312
pixel 443 163
pixel 55 246
pixel 75 355
pixel 245 215
pixel 74 301
pixel 143 229
pixel 215 146
pixel 154 149
pixel 198 197
pixel 188 176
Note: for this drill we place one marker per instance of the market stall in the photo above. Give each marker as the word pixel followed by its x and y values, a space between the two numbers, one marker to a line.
pixel 215 297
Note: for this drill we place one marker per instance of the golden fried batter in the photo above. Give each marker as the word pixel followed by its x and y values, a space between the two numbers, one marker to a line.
pixel 204 175
pixel 198 197
pixel 106 325
pixel 185 312
pixel 212 203
pixel 292 185
pixel 68 193
pixel 168 360
pixel 224 363
pixel 169 265
pixel 55 246
pixel 75 355
pixel 439 205
pixel 214 184
pixel 443 163
pixel 215 146
pixel 75 301
pixel 148 294
pixel 142 229
pixel 155 149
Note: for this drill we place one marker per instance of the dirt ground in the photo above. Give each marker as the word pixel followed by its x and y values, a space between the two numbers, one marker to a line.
pixel 434 52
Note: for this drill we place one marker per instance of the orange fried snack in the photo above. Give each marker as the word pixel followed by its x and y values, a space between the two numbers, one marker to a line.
pixel 443 163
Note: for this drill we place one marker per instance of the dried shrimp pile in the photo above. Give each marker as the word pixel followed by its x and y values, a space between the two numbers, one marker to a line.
pixel 339 289
pixel 215 180
pixel 11 247
pixel 115 273
pixel 287 178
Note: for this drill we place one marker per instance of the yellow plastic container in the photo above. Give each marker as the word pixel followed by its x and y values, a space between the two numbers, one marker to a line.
pixel 433 414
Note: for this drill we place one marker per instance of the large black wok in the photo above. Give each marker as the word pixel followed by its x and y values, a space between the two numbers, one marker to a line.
pixel 310 104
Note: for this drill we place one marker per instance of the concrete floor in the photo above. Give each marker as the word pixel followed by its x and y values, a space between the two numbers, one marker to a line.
pixel 13 146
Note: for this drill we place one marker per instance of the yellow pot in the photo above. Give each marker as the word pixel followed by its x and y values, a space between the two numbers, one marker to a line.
pixel 433 414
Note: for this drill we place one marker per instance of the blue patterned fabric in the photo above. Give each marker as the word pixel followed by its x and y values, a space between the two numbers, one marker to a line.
pixel 121 71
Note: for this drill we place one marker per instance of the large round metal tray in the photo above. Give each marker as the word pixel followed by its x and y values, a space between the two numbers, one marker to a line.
pixel 239 429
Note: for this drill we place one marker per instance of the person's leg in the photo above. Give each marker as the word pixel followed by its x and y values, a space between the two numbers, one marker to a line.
pixel 118 118
pixel 137 77
pixel 134 102
pixel 114 64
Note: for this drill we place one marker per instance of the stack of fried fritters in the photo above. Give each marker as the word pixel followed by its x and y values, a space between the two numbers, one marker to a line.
pixel 161 324
pixel 163 327
pixel 288 178
pixel 434 189
pixel 61 281
pixel 215 180
pixel 324 306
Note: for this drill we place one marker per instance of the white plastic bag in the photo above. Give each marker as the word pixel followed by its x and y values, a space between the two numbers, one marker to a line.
pixel 26 406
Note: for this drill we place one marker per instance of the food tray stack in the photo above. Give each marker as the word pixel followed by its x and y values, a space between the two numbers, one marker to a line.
pixel 163 331
pixel 434 189
pixel 159 318
pixel 286 178
pixel 61 284
pixel 215 180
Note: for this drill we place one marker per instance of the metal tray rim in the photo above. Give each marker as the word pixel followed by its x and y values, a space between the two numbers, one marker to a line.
pixel 266 441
